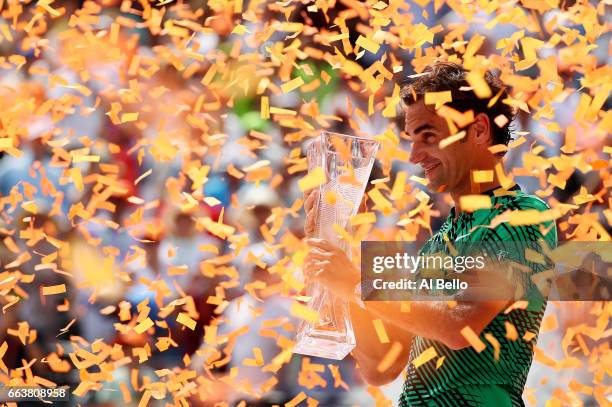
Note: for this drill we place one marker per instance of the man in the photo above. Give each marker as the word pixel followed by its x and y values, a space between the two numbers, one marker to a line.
pixel 466 377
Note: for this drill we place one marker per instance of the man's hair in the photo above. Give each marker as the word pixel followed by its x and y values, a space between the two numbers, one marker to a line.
pixel 445 76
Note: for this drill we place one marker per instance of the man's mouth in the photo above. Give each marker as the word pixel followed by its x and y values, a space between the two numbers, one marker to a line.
pixel 430 167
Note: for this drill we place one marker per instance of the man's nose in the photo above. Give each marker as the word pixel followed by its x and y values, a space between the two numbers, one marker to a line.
pixel 416 154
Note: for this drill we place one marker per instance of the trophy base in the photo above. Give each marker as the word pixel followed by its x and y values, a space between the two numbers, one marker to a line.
pixel 324 348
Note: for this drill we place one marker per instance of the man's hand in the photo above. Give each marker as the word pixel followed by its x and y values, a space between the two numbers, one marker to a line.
pixel 310 199
pixel 330 266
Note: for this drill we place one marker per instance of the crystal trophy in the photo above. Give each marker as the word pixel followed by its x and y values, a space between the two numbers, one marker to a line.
pixel 347 163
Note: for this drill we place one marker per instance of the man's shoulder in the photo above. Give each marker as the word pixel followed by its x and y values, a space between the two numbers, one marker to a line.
pixel 519 201
pixel 523 202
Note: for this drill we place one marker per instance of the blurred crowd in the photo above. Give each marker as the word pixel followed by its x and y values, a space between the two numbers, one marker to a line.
pixel 131 225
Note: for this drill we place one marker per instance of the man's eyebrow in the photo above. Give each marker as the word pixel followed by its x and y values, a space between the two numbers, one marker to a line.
pixel 423 127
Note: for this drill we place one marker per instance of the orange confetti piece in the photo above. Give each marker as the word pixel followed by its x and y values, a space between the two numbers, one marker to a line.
pixel 292 84
pixel 144 401
pixel 451 139
pixel 265 107
pixel 363 218
pixel 240 30
pixel 368 44
pixel 54 289
pixel 425 356
pixel 438 98
pixel 211 201
pixel 296 400
pixel 532 217
pixel 379 200
pixel 210 334
pixel 143 326
pixel 5 30
pixel 313 179
pixel 3 349
pixel 422 181
pixel 184 319
pixel 278 110
pixel 498 148
pixel 549 323
pixel 303 312
pixel 511 331
pixel 125 393
pixel 479 85
pixel 85 159
pixel 495 343
pixel 390 357
pixel 481 177
pixel 505 181
pixel 529 336
pixel 77 178
pixel 471 203
pixel 380 331
pixel 501 120
pixel 129 117
pixel 392 103
pixel 439 362
pixel 6 143
pixel 460 119
pixel 258 358
pixel 330 197
pixel 541 357
pixel 30 206
pixel 399 185
pixel 473 339
pixel 325 76
pixel 210 74
pixel 84 387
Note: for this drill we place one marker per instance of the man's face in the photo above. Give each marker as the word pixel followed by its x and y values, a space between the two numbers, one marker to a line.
pixel 447 169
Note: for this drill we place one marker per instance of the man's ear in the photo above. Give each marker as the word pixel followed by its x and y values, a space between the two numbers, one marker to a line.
pixel 480 129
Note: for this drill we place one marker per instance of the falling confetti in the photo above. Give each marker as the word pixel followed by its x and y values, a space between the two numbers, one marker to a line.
pixel 153 171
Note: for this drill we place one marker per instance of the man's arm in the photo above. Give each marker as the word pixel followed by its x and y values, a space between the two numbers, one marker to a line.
pixel 436 320
pixel 369 351
pixel 431 319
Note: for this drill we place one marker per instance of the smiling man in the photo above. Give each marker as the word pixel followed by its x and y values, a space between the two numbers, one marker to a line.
pixel 467 376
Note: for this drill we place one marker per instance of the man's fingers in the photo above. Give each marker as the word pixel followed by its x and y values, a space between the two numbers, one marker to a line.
pixel 310 224
pixel 310 194
pixel 320 243
pixel 317 253
pixel 310 201
pixel 313 268
pixel 311 214
pixel 320 256
pixel 315 261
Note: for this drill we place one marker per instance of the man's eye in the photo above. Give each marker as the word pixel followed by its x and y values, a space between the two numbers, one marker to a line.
pixel 429 138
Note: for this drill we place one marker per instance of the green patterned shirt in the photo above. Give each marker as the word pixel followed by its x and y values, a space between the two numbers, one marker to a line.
pixel 466 377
